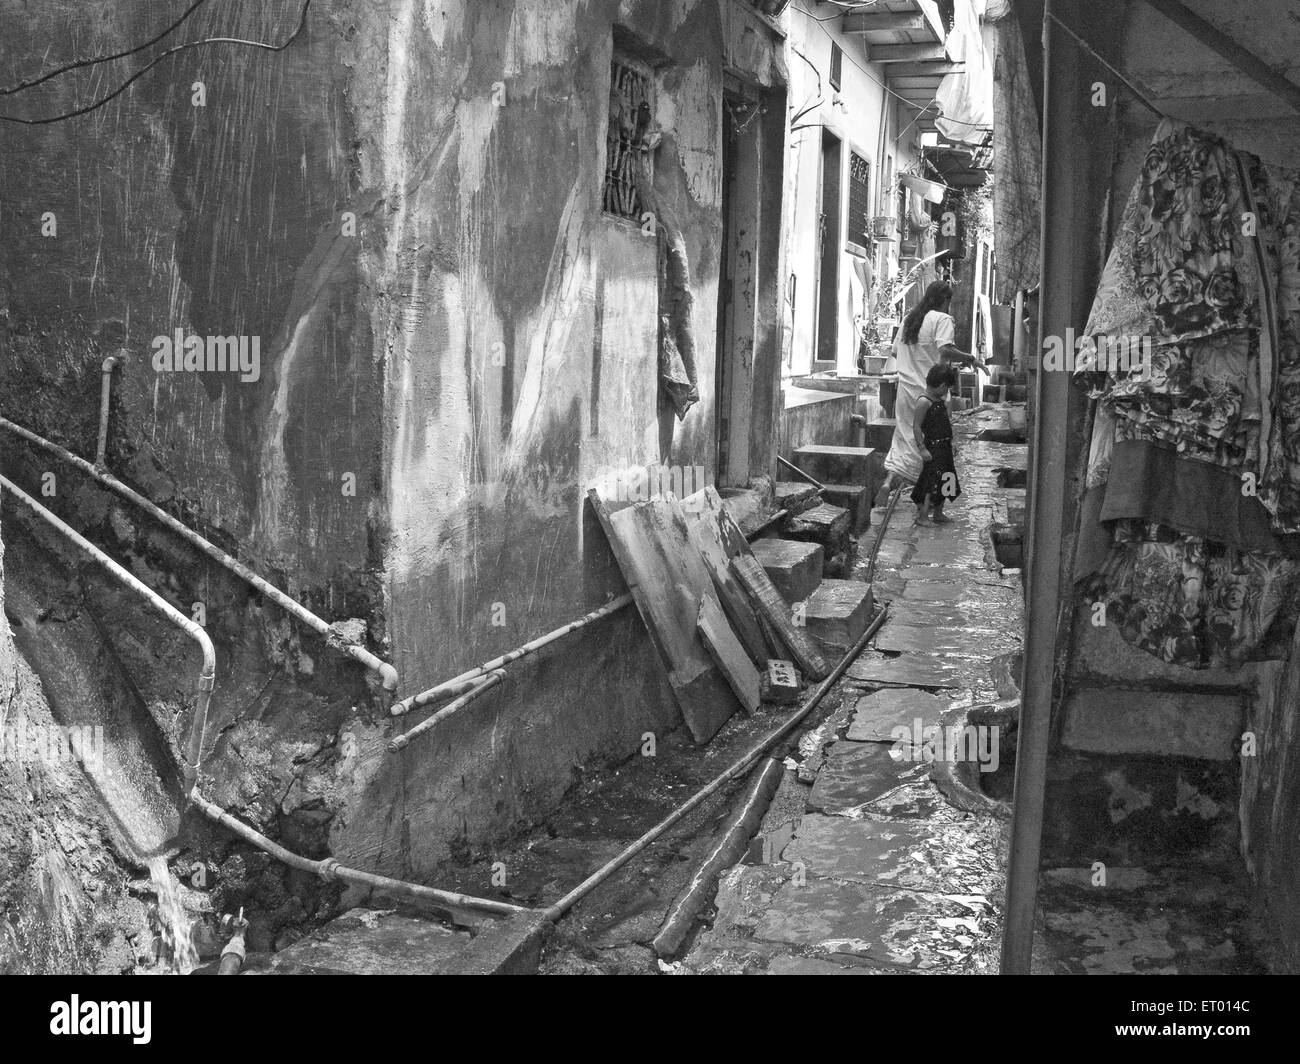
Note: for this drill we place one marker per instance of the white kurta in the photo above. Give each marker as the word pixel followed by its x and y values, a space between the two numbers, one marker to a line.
pixel 914 362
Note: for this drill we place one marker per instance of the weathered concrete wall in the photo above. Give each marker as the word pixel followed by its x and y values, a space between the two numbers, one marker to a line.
pixel 520 343
pixel 823 420
pixel 404 208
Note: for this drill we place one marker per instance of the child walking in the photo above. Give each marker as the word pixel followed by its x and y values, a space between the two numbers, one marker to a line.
pixel 933 430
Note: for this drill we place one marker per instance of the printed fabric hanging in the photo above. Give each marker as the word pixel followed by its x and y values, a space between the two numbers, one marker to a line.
pixel 1192 352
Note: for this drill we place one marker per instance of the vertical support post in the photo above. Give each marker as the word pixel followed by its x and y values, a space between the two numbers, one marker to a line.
pixel 1060 284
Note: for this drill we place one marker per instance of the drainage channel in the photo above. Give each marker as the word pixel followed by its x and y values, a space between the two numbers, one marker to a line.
pixel 468 686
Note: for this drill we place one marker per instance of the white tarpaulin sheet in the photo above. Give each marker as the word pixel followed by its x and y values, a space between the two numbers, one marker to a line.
pixel 966 98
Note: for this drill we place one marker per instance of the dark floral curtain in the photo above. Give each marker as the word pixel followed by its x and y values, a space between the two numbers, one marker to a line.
pixel 1192 503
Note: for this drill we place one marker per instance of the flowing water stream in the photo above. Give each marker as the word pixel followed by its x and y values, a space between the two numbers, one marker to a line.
pixel 178 949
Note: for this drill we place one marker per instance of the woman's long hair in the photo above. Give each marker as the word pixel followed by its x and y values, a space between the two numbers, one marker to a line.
pixel 936 295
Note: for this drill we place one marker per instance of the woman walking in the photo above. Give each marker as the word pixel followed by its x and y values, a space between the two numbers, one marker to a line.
pixel 924 341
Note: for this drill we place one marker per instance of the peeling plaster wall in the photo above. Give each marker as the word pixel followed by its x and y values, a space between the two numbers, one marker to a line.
pixel 518 326
pixel 471 356
pixel 220 219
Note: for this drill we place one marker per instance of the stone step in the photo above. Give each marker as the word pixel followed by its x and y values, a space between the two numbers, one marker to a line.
pixel 880 433
pixel 838 612
pixel 1150 723
pixel 795 496
pixel 838 465
pixel 825 524
pixel 829 526
pixel 855 499
pixel 793 566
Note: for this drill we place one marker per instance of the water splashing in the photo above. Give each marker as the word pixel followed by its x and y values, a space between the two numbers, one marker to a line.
pixel 177 931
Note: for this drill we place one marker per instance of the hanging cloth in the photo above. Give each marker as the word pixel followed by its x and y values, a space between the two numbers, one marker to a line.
pixel 1192 494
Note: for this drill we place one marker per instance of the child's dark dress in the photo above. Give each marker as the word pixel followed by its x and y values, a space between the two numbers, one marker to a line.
pixel 939 475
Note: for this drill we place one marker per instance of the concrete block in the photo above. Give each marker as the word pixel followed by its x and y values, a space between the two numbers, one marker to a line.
pixel 512 946
pixel 880 433
pixel 839 465
pixel 793 566
pixel 781 682
pixel 1117 720
pixel 822 524
pixel 795 496
pixel 838 612
pixel 854 498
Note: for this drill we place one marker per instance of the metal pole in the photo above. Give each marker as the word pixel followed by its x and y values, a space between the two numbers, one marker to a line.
pixel 801 474
pixel 1060 96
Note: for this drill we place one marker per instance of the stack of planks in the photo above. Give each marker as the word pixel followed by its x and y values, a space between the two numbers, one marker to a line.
pixel 711 611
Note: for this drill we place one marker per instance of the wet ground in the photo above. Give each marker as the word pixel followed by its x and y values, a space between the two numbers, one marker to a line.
pixel 883 850
pixel 876 860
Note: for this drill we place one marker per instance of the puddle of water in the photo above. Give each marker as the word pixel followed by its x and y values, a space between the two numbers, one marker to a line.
pixel 178 947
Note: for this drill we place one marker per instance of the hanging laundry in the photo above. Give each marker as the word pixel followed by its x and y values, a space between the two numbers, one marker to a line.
pixel 1192 496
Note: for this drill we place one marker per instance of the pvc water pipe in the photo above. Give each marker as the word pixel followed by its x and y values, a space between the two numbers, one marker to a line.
pixel 860 423
pixel 330 869
pixel 387 673
pixel 232 957
pixel 484 684
pixel 105 394
pixel 208 672
pixel 736 771
pixel 468 682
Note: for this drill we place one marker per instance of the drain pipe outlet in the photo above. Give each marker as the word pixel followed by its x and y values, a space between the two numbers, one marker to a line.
pixel 105 394
pixel 232 957
pixel 860 423
pixel 208 673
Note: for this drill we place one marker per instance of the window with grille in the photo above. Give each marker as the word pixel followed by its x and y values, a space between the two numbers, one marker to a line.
pixel 859 200
pixel 631 113
pixel 837 66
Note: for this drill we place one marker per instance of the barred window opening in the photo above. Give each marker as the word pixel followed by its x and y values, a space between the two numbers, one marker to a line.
pixel 631 114
pixel 859 200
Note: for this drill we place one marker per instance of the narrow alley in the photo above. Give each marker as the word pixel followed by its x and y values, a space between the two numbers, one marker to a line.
pixel 628 487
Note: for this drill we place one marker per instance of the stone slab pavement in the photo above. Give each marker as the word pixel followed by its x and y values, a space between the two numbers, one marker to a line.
pixel 881 873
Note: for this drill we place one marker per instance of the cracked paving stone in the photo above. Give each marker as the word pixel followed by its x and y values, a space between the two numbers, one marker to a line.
pixel 932 858
pixel 855 773
pixel 966 591
pixel 947 615
pixel 954 642
pixel 892 707
pixel 908 929
pixel 910 670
